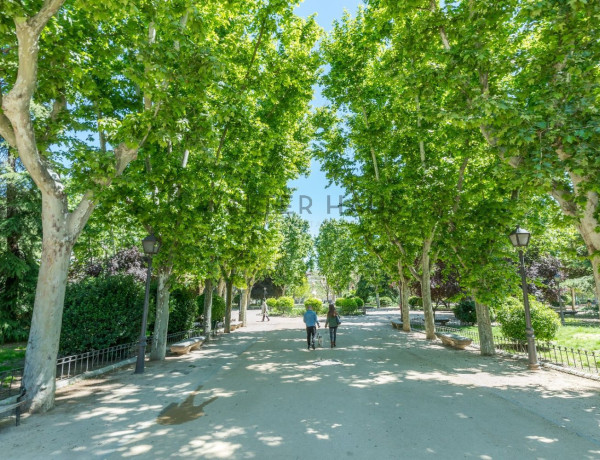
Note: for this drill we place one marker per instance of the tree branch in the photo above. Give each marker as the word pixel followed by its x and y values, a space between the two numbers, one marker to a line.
pixel 6 130
pixel 39 21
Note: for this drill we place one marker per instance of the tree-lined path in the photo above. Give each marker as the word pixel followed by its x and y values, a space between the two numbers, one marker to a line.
pixel 257 393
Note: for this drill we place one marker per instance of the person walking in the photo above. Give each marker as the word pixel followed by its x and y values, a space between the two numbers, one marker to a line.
pixel 333 321
pixel 311 321
pixel 265 310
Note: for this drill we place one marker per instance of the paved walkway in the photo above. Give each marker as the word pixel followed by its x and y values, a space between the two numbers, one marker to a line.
pixel 257 393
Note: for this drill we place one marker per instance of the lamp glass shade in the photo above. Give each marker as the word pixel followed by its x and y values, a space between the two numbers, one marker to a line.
pixel 150 244
pixel 520 237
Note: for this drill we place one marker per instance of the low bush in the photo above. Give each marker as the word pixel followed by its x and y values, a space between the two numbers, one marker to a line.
pixel 511 317
pixel 385 301
pixel 465 311
pixel 359 302
pixel 316 304
pixel 102 312
pixel 415 301
pixel 271 303
pixel 282 306
pixel 347 305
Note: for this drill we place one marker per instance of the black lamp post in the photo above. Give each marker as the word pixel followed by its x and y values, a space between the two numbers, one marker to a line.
pixel 560 304
pixel 520 239
pixel 151 246
pixel 265 293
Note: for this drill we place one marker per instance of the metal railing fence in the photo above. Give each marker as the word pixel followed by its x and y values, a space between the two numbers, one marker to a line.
pixel 573 358
pixel 74 365
pixel 10 382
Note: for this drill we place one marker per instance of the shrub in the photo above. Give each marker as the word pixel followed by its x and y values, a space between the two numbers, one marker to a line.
pixel 415 301
pixel 347 306
pixel 285 305
pixel 271 303
pixel 217 311
pixel 511 317
pixel 182 309
pixel 101 312
pixel 385 301
pixel 359 302
pixel 316 304
pixel 465 311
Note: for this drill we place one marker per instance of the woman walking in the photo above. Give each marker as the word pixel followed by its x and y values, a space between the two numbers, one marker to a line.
pixel 333 321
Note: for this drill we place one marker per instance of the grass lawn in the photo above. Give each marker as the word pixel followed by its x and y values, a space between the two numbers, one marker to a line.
pixel 12 355
pixel 582 337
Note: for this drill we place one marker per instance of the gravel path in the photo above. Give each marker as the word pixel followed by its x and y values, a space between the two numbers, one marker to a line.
pixel 257 393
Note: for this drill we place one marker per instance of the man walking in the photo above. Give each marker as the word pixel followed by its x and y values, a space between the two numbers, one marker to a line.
pixel 265 310
pixel 311 321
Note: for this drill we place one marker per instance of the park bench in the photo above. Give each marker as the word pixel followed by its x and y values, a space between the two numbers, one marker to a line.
pixel 566 312
pixel 184 346
pixel 442 321
pixel 234 325
pixel 397 324
pixel 454 340
pixel 16 406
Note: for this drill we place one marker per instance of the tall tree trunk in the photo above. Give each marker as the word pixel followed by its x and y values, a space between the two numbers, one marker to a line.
pixel 245 301
pixel 208 294
pixel 596 268
pixel 244 307
pixel 573 301
pixel 221 287
pixel 61 228
pixel 377 297
pixel 161 324
pixel 228 302
pixel 403 284
pixel 11 283
pixel 426 291
pixel 484 327
pixel 241 313
pixel 44 336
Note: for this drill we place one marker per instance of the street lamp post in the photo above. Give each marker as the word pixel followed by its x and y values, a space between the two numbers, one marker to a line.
pixel 265 293
pixel 560 304
pixel 151 246
pixel 520 238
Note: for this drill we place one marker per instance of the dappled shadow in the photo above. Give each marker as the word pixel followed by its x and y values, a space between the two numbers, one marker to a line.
pixel 381 392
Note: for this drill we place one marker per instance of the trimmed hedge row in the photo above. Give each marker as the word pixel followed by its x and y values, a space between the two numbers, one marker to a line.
pixel 102 312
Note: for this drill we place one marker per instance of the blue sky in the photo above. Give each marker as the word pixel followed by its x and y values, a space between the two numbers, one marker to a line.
pixel 313 190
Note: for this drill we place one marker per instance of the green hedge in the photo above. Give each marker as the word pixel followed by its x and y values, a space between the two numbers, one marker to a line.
pixel 102 312
pixel 465 311
pixel 182 309
pixel 217 312
pixel 511 317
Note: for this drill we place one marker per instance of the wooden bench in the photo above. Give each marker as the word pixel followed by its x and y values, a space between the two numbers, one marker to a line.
pixel 397 324
pixel 16 406
pixel 442 321
pixel 234 325
pixel 183 347
pixel 454 340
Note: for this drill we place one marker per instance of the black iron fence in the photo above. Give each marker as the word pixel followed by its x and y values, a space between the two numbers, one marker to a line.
pixel 74 365
pixel 573 358
pixel 10 382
